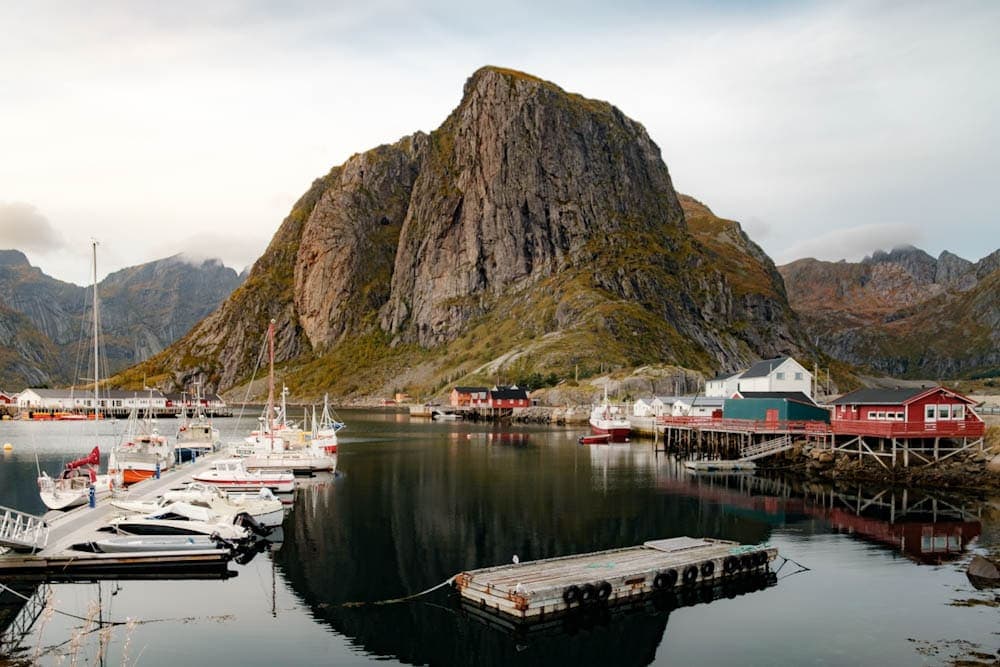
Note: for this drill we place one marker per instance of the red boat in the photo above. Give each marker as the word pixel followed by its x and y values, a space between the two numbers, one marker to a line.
pixel 596 439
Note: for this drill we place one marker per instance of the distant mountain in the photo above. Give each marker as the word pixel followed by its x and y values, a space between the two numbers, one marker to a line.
pixel 46 322
pixel 535 231
pixel 903 313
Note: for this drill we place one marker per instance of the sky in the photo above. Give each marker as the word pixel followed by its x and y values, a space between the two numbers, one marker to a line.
pixel 828 130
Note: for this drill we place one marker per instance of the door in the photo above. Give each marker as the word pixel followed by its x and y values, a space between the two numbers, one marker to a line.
pixel 771 416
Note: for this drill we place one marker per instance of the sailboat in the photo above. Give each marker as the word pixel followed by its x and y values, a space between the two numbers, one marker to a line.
pixel 73 486
pixel 268 448
pixel 144 451
pixel 325 430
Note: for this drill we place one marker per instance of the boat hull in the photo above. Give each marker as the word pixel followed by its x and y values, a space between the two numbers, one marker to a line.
pixel 250 483
pixel 616 433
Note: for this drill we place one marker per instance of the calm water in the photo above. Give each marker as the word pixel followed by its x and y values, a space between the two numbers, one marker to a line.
pixel 416 502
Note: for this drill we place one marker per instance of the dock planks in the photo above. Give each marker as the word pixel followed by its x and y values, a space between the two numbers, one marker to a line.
pixel 556 585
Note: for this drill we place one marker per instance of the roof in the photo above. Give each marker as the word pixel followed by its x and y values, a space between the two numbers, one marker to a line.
pixel 88 393
pixel 470 390
pixel 725 376
pixel 708 401
pixel 508 393
pixel 880 396
pixel 796 396
pixel 764 368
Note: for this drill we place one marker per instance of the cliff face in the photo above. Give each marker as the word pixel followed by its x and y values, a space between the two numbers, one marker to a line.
pixel 534 228
pixel 903 313
pixel 143 309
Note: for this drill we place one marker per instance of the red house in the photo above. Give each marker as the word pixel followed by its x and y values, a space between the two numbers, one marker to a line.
pixel 906 413
pixel 7 399
pixel 508 397
pixel 469 397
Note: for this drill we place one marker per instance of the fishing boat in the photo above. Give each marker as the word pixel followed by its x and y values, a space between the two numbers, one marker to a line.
pixel 184 519
pixel 145 452
pixel 262 506
pixel 607 419
pixel 80 478
pixel 269 448
pixel 72 488
pixel 231 474
pixel 196 436
pixel 325 430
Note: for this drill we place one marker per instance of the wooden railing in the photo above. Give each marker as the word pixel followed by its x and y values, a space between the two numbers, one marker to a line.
pixel 890 429
pixel 747 425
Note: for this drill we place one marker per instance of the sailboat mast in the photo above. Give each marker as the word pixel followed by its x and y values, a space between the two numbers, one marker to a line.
pixel 96 359
pixel 270 378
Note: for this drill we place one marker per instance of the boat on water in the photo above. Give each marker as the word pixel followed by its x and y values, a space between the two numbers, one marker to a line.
pixel 607 419
pixel 325 430
pixel 80 478
pixel 187 519
pixel 154 543
pixel 72 488
pixel 262 506
pixel 196 436
pixel 143 454
pixel 269 448
pixel 232 474
pixel 594 439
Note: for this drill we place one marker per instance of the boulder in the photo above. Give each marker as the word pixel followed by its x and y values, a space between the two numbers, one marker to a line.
pixel 994 464
pixel 983 572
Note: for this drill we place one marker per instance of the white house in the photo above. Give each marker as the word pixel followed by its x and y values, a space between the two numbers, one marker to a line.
pixel 782 374
pixel 723 386
pixel 706 406
pixel 82 399
pixel 643 408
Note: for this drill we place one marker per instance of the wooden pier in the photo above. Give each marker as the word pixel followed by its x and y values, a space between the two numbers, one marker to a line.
pixel 56 560
pixel 535 590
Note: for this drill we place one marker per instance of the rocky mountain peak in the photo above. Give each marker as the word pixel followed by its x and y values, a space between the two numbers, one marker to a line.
pixel 13 258
pixel 916 262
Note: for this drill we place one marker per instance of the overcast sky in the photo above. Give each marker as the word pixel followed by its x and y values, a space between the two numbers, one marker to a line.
pixel 828 129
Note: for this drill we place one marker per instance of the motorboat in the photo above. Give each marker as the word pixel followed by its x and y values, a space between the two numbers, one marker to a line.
pixel 262 506
pixel 601 439
pixel 72 488
pixel 325 430
pixel 150 543
pixel 184 519
pixel 197 436
pixel 608 419
pixel 232 474
pixel 144 454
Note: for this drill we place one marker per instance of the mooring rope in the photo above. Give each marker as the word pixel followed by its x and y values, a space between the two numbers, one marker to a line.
pixel 446 582
pixel 59 611
pixel 802 568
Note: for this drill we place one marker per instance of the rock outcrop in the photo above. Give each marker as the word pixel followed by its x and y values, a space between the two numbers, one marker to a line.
pixel 534 229
pixel 903 313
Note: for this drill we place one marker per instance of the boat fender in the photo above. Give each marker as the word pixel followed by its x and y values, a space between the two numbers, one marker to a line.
pixel 761 557
pixel 690 574
pixel 588 593
pixel 707 569
pixel 571 595
pixel 730 564
pixel 746 562
pixel 603 591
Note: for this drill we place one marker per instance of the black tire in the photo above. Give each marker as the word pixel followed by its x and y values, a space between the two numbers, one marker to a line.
pixel 660 581
pixel 762 557
pixel 571 595
pixel 746 563
pixel 603 591
pixel 588 593
pixel 690 574
pixel 707 569
pixel 729 565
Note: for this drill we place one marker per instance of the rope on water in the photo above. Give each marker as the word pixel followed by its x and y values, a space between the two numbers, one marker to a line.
pixel 786 559
pixel 446 582
pixel 59 611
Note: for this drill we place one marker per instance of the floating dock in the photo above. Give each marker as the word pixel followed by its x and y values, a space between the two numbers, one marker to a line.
pixel 533 590
pixel 720 465
pixel 56 560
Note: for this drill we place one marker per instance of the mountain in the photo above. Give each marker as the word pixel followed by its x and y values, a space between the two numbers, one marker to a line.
pixel 903 313
pixel 45 323
pixel 535 231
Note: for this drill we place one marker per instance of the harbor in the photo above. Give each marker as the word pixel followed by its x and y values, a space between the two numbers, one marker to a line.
pixel 391 525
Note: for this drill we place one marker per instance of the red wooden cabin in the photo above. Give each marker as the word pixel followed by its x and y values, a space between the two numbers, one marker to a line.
pixel 906 413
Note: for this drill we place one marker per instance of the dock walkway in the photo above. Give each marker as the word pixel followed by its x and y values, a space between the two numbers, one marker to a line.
pixel 82 524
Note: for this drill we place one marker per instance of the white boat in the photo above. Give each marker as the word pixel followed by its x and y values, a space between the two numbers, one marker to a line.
pixel 325 430
pixel 72 487
pixel 143 454
pixel 150 543
pixel 269 448
pixel 262 506
pixel 197 436
pixel 80 478
pixel 607 419
pixel 231 474
pixel 182 519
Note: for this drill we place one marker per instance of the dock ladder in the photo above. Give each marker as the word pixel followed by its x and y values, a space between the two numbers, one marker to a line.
pixel 21 531
pixel 766 448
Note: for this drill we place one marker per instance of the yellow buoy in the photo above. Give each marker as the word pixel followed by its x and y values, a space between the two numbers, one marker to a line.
pixel 7 447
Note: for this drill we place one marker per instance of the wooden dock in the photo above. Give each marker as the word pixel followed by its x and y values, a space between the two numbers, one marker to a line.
pixel 57 560
pixel 534 590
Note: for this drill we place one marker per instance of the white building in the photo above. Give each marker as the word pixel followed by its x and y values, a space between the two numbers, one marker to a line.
pixel 83 399
pixel 783 374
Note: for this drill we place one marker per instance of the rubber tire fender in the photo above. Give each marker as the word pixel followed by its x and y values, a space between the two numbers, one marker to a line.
pixel 588 593
pixel 690 574
pixel 571 595
pixel 707 569
pixel 603 591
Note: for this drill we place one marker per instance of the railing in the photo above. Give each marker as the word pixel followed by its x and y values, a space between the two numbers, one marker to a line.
pixel 766 448
pixel 22 531
pixel 747 425
pixel 888 429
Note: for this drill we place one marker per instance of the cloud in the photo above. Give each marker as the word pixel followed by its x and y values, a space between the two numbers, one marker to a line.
pixel 23 227
pixel 237 251
pixel 853 243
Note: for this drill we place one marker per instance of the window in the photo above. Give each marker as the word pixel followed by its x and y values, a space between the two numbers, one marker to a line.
pixel 929 413
pixel 958 412
pixel 798 375
pixel 944 411
pixel 779 376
